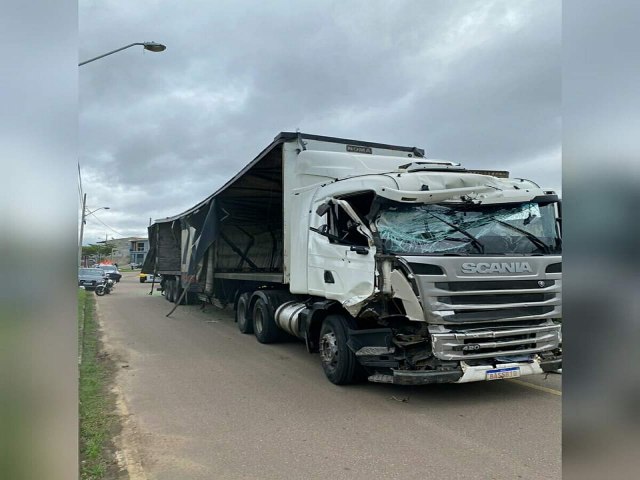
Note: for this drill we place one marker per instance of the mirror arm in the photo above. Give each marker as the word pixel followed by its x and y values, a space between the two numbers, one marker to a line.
pixel 331 236
pixel 325 234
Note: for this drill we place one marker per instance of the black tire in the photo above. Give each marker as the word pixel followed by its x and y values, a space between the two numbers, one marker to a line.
pixel 191 298
pixel 177 293
pixel 245 323
pixel 338 361
pixel 142 280
pixel 264 325
pixel 170 290
pixel 100 290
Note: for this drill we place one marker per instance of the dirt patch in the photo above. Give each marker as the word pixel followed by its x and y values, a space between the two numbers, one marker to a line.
pixel 125 439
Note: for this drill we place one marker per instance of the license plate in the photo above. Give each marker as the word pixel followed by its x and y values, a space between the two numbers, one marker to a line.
pixel 500 373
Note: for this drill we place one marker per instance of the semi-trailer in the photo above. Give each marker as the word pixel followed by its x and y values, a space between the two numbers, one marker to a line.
pixel 392 266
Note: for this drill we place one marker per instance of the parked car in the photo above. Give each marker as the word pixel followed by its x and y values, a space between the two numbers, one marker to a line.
pixel 90 278
pixel 112 272
pixel 148 277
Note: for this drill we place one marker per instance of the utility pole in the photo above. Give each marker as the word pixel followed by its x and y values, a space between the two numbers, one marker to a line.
pixel 82 220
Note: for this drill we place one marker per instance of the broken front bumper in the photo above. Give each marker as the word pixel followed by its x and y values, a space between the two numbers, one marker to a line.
pixel 466 373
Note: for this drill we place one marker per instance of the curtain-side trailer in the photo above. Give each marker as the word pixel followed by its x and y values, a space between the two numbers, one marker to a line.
pixel 393 267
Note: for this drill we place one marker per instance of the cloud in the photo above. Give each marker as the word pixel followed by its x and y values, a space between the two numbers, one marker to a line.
pixel 472 81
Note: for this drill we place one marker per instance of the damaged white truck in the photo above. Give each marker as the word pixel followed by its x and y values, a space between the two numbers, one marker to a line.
pixel 391 266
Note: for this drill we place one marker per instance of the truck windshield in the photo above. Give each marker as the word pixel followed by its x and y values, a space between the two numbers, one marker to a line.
pixel 523 229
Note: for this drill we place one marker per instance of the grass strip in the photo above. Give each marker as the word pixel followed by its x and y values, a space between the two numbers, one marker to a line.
pixel 97 417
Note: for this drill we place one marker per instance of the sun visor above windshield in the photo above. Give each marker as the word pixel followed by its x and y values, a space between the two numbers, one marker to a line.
pixel 479 194
pixel 430 196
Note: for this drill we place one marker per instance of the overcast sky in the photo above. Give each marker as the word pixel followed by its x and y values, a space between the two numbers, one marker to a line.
pixel 477 82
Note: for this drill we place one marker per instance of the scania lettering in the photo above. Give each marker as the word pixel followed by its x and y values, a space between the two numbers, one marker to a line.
pixel 513 267
pixel 389 265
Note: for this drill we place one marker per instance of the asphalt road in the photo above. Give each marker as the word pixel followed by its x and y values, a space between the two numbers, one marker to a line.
pixel 208 402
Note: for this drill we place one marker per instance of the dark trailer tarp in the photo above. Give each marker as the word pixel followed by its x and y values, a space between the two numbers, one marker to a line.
pixel 244 216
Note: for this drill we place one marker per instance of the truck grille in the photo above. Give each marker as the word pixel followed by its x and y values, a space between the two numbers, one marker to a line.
pixel 490 300
pixel 449 344
pixel 493 285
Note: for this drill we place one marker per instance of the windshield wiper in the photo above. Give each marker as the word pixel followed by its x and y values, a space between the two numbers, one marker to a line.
pixel 473 239
pixel 530 236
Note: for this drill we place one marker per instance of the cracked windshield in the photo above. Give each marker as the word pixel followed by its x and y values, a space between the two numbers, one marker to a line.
pixel 523 229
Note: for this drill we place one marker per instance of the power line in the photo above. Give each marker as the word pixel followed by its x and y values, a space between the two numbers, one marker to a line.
pixel 80 179
pixel 109 227
pixel 80 190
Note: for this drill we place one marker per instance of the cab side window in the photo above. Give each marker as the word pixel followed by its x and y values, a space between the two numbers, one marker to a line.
pixel 343 229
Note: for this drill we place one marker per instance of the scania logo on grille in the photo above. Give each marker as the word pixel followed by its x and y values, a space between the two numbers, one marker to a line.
pixel 503 267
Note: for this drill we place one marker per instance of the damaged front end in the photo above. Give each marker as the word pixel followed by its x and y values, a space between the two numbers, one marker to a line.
pixel 392 356
pixel 405 355
pixel 435 326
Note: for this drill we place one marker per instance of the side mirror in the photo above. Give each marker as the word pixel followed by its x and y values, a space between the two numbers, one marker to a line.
pixel 323 209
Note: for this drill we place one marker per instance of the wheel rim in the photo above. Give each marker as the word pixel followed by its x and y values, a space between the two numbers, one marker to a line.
pixel 329 350
pixel 258 320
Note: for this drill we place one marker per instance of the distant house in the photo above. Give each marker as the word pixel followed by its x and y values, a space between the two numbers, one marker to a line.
pixel 128 250
pixel 139 247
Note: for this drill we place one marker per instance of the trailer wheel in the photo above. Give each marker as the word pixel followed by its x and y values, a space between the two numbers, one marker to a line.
pixel 177 293
pixel 169 290
pixel 264 325
pixel 338 361
pixel 245 324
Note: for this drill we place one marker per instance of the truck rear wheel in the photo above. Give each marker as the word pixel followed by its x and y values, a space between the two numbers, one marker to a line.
pixel 264 325
pixel 245 324
pixel 338 361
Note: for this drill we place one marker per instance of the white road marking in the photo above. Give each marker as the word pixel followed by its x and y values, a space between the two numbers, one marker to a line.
pixel 535 387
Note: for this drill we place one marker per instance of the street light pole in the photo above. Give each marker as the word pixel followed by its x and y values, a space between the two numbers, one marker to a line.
pixel 151 46
pixel 82 222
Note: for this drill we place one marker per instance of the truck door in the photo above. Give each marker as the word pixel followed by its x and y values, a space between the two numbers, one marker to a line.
pixel 341 254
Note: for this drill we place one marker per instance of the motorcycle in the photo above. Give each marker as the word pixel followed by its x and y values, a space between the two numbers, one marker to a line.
pixel 105 287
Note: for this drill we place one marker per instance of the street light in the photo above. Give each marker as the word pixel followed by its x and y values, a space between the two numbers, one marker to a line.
pixel 85 213
pixel 151 46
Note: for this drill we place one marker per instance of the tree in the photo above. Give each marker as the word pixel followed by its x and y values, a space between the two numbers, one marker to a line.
pixel 97 252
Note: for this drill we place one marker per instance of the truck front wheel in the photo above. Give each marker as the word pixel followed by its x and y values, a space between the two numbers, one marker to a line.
pixel 264 325
pixel 245 324
pixel 338 361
